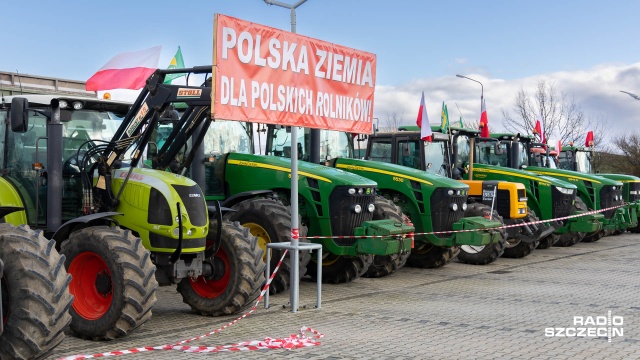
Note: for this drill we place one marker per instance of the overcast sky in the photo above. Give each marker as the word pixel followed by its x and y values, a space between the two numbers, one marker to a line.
pixel 587 49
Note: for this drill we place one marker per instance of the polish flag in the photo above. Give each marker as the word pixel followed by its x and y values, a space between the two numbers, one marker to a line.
pixel 540 131
pixel 423 122
pixel 129 70
pixel 484 121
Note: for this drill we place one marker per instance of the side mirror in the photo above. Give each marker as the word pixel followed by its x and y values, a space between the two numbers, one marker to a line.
pixel 152 150
pixel 19 115
pixel 497 149
pixel 405 150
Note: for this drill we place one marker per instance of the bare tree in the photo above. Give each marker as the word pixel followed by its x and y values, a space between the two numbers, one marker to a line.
pixel 392 121
pixel 560 116
pixel 629 145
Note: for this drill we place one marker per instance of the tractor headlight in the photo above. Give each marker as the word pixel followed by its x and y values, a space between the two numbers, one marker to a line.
pixel 357 208
pixel 450 192
pixel 522 211
pixel 371 208
pixel 63 104
pixel 634 192
pixel 564 190
pixel 464 206
pixel 360 191
pixel 458 192
pixel 352 191
pixel 454 207
pixel 613 188
pixel 77 105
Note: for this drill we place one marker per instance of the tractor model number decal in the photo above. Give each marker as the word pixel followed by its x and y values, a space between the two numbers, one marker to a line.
pixel 137 119
pixel 398 179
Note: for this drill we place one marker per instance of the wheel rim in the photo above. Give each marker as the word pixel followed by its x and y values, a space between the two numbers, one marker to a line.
pixel 262 235
pixel 471 249
pixel 512 243
pixel 5 300
pixel 423 249
pixel 91 285
pixel 210 289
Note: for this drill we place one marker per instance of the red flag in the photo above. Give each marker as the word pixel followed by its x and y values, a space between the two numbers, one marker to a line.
pixel 559 148
pixel 539 130
pixel 128 70
pixel 589 141
pixel 484 121
pixel 423 119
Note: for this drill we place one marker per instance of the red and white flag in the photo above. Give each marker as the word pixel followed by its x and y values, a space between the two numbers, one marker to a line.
pixel 539 129
pixel 423 122
pixel 129 70
pixel 484 121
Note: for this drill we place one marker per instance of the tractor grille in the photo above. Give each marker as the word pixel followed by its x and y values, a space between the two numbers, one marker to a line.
pixel 503 204
pixel 194 202
pixel 562 203
pixel 442 216
pixel 343 218
pixel 608 198
pixel 633 191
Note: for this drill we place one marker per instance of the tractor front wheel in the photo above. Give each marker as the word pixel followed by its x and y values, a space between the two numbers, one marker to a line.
pixel 482 255
pixel 237 282
pixel 35 294
pixel 338 269
pixel 570 239
pixel 428 256
pixel 384 265
pixel 113 282
pixel 270 221
pixel 516 248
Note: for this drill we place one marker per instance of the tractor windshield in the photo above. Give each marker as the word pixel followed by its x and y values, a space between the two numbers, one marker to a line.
pixel 435 157
pixel 228 136
pixel 486 153
pixel 583 162
pixel 280 142
pixel 335 144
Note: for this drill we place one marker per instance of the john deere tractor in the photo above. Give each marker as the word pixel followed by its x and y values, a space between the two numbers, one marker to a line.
pixel 550 198
pixel 435 205
pixel 578 159
pixel 338 209
pixel 507 201
pixel 70 163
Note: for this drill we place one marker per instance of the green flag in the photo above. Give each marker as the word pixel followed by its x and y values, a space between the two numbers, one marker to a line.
pixel 461 124
pixel 176 63
pixel 444 119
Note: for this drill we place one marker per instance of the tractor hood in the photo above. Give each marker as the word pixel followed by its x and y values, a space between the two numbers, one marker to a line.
pixel 395 172
pixel 283 165
pixel 574 176
pixel 480 172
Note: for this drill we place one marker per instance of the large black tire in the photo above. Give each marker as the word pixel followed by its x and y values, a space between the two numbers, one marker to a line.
pixel 428 256
pixel 482 255
pixel 548 241
pixel 270 221
pixel 339 269
pixel 593 237
pixel 384 265
pixel 239 285
pixel 35 294
pixel 570 239
pixel 516 249
pixel 113 281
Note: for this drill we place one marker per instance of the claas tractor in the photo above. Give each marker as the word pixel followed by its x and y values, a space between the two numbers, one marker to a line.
pixel 501 200
pixel 435 205
pixel 71 163
pixel 339 210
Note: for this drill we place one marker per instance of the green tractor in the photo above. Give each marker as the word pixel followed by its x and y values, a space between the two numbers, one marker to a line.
pixel 432 203
pixel 549 197
pixel 340 210
pixel 508 199
pixel 578 159
pixel 70 163
pixel 594 192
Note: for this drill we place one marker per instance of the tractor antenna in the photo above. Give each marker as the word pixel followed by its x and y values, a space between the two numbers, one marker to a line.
pixel 19 81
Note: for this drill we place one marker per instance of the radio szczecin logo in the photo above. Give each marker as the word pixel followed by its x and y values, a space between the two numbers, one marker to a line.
pixel 590 326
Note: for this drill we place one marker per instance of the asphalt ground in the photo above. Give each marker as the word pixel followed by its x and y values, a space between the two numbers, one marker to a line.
pixel 504 310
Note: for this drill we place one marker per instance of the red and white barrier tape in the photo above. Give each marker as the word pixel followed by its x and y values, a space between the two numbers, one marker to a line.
pixel 464 230
pixel 294 341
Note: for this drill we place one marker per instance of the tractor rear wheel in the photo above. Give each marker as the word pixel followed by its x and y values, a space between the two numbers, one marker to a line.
pixel 384 265
pixel 270 221
pixel 482 255
pixel 113 282
pixel 516 248
pixel 570 239
pixel 428 256
pixel 35 294
pixel 339 269
pixel 238 284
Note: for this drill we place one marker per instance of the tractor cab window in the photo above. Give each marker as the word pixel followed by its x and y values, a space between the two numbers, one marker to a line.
pixel 462 158
pixel 228 136
pixel 281 142
pixel 435 157
pixel 583 162
pixel 550 161
pixel 523 155
pixel 486 153
pixel 380 150
pixel 335 144
pixel 408 153
pixel 565 160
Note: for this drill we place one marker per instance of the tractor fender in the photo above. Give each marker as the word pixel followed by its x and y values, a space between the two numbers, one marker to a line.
pixel 232 200
pixel 65 229
pixel 11 204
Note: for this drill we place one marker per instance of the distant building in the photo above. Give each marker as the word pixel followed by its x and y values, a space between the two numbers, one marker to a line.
pixel 12 83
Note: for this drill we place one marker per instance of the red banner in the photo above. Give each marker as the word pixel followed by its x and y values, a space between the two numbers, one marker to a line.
pixel 271 76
